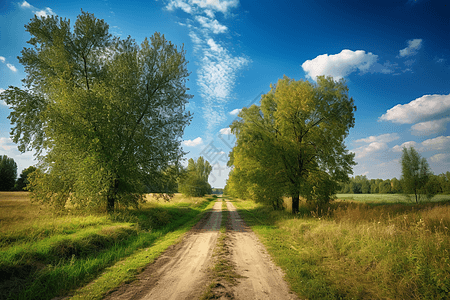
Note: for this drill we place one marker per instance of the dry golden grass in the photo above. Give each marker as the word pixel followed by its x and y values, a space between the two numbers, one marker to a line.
pixel 17 212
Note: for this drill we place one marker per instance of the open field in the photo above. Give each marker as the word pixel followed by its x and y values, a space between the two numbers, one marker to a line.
pixel 44 256
pixel 386 198
pixel 359 250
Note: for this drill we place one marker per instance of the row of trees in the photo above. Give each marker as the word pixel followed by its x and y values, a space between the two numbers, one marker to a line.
pixel 104 115
pixel 361 185
pixel 8 175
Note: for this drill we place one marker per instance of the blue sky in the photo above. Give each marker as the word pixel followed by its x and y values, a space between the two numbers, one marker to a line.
pixel 394 55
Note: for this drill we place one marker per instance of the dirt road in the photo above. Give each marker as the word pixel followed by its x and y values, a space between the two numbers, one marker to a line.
pixel 184 271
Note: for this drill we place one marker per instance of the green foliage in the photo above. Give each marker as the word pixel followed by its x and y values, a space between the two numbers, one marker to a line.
pixel 23 181
pixel 416 175
pixel 293 143
pixel 8 173
pixel 108 113
pixel 194 183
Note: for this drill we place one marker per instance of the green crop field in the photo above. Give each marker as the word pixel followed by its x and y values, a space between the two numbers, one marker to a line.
pixel 357 250
pixel 43 256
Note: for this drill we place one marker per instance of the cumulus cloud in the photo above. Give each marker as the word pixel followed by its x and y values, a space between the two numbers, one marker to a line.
pixel 192 143
pixel 424 108
pixel 438 143
pixel 413 46
pixel 25 4
pixel 235 112
pixel 2 59
pixel 369 149
pixel 339 65
pixel 38 12
pixel 399 148
pixel 44 12
pixel 375 144
pixel 383 138
pixel 430 127
pixel 440 158
pixel 225 130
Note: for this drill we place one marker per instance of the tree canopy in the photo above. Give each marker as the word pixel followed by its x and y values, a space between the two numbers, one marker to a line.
pixel 195 180
pixel 293 143
pixel 416 175
pixel 105 115
pixel 8 173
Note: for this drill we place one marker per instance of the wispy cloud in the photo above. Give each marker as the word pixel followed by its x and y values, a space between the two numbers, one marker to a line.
pixel 8 65
pixel 218 65
pixel 374 144
pixel 413 46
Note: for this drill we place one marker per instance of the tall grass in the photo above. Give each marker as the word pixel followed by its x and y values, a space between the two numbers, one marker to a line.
pixel 43 256
pixel 360 251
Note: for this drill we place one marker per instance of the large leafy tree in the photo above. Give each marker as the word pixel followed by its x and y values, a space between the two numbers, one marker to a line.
pixel 8 173
pixel 195 180
pixel 416 174
pixel 23 181
pixel 104 114
pixel 293 142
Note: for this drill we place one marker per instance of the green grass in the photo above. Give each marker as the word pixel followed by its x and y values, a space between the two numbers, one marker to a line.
pixel 44 256
pixel 358 250
pixel 386 198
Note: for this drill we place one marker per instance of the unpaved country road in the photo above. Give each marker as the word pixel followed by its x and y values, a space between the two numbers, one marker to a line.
pixel 183 271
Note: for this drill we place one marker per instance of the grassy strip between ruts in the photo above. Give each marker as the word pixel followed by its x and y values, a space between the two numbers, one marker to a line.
pixel 359 251
pixel 61 254
pixel 223 274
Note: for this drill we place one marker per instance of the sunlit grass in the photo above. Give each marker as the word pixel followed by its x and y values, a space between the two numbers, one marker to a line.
pixel 359 250
pixel 43 255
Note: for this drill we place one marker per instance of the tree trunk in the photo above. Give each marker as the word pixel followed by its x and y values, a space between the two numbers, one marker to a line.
pixel 110 201
pixel 295 203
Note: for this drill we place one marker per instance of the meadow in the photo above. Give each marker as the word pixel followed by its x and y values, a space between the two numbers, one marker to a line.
pixel 43 255
pixel 359 248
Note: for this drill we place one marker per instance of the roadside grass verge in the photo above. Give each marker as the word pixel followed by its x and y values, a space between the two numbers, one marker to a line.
pixel 358 250
pixel 48 256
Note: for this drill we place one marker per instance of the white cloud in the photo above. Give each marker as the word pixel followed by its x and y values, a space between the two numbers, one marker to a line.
pixel 44 12
pixel 235 112
pixel 11 67
pixel 218 66
pixel 383 138
pixel 440 158
pixel 225 131
pixel 439 143
pixel 206 6
pixel 339 65
pixel 25 4
pixel 212 25
pixel 409 144
pixel 2 59
pixel 192 143
pixel 430 127
pixel 421 109
pixel 6 143
pixel 369 149
pixel 413 46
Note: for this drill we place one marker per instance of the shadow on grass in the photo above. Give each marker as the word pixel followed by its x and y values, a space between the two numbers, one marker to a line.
pixel 58 264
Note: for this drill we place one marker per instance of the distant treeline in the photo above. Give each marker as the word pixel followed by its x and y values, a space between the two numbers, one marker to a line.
pixel 359 184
